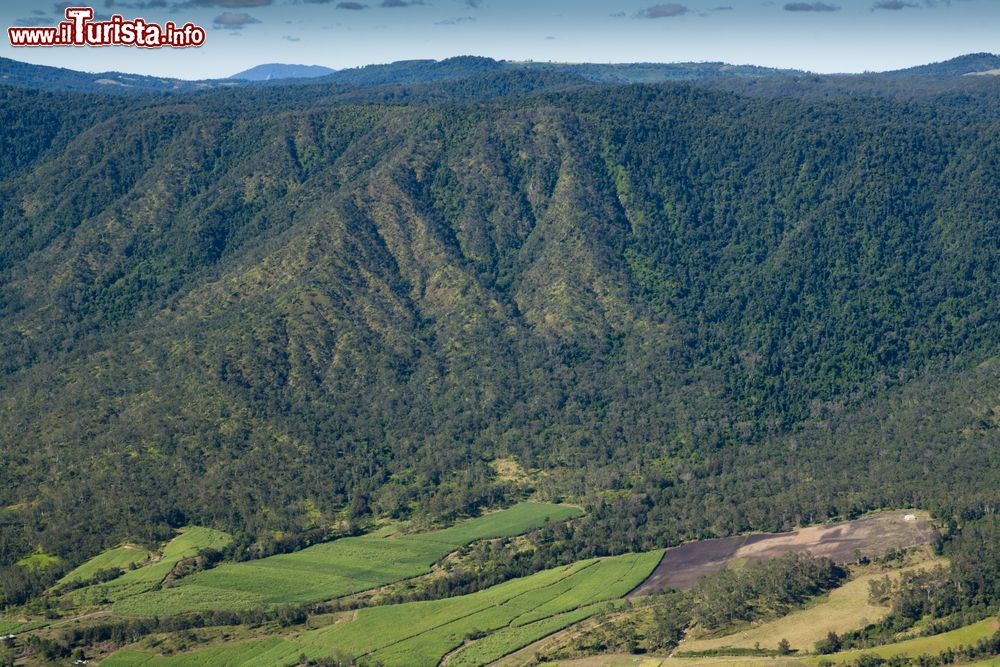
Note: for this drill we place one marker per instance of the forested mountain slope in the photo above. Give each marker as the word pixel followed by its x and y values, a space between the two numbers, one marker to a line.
pixel 680 303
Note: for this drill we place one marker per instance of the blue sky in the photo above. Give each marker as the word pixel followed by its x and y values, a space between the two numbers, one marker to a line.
pixel 829 36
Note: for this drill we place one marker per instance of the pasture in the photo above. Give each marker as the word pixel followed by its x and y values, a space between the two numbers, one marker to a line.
pixel 843 609
pixel 470 629
pixel 334 569
pixel 932 645
pixel 622 660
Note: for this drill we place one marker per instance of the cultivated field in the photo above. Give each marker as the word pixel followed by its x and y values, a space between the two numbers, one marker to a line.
pixel 467 630
pixel 119 558
pixel 14 627
pixel 334 569
pixel 188 543
pixel 682 566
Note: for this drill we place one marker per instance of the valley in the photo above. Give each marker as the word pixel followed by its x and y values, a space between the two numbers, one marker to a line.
pixel 488 362
pixel 542 611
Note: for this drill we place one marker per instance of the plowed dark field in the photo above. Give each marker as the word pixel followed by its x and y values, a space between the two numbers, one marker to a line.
pixel 682 566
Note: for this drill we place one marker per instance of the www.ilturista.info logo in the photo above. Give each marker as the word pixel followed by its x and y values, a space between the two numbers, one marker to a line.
pixel 80 30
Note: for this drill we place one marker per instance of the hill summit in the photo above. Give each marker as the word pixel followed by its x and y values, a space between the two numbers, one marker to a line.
pixel 271 71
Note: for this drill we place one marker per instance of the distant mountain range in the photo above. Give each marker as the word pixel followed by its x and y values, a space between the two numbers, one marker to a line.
pixel 41 77
pixel 273 71
pixel 415 72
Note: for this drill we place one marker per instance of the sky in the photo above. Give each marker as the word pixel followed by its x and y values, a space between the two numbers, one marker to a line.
pixel 828 36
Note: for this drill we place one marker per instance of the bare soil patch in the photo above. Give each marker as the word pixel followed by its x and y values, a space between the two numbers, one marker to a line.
pixel 682 566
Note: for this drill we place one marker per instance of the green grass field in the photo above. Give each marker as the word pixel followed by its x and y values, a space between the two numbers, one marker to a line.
pixel 933 645
pixel 39 561
pixel 511 615
pixel 14 627
pixel 119 558
pixel 334 569
pixel 506 640
pixel 138 581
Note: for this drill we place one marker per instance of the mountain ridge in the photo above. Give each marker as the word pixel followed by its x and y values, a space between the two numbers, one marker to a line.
pixel 417 72
pixel 43 77
pixel 971 63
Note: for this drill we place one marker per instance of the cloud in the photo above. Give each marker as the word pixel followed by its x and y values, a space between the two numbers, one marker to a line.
pixel 662 11
pixel 233 20
pixel 224 4
pixel 32 21
pixel 400 3
pixel 473 4
pixel 289 38
pixel 457 20
pixel 143 4
pixel 351 6
pixel 549 38
pixel 894 5
pixel 617 15
pixel 811 7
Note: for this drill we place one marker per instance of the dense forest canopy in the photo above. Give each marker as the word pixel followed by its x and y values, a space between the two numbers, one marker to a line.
pixel 699 311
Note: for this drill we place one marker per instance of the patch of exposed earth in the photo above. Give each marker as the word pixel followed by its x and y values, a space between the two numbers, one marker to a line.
pixel 682 566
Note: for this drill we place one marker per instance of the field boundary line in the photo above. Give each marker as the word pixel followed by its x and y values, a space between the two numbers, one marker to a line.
pixel 478 611
pixel 618 614
pixel 589 602
pixel 455 651
pixel 651 573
